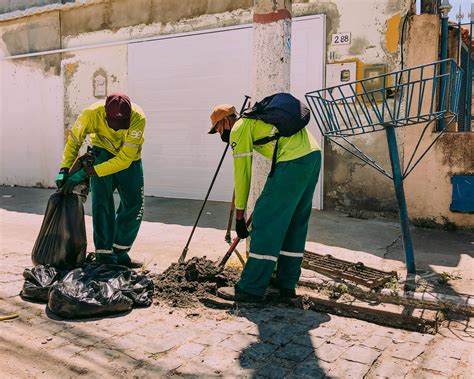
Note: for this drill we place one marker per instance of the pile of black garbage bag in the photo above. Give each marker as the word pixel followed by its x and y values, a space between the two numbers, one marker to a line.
pixel 89 291
pixel 62 277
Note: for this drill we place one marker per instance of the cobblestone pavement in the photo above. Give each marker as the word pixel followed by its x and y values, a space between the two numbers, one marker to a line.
pixel 250 342
pixel 269 342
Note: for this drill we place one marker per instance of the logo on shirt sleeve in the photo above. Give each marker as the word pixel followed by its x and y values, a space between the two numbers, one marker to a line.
pixel 136 134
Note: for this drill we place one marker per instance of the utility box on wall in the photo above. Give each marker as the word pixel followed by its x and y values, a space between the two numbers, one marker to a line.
pixel 462 200
pixel 341 73
pixel 374 72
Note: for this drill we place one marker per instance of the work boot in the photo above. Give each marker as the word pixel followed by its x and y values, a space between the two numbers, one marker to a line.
pixel 236 294
pixel 102 258
pixel 284 293
pixel 288 293
pixel 274 283
pixel 123 259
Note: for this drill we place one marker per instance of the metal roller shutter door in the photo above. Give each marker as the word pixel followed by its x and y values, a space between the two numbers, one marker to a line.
pixel 178 79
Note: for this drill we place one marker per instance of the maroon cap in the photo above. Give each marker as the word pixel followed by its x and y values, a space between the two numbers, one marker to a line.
pixel 118 109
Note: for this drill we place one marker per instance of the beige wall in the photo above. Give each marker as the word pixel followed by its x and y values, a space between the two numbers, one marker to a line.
pixel 54 88
pixel 428 188
pixel 375 30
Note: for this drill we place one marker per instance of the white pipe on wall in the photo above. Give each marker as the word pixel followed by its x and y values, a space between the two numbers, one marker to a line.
pixel 122 42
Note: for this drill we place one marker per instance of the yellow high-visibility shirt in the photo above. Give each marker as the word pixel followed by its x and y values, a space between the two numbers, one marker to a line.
pixel 125 145
pixel 242 136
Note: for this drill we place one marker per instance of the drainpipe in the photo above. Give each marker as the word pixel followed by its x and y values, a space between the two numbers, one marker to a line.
pixel 444 9
pixel 468 73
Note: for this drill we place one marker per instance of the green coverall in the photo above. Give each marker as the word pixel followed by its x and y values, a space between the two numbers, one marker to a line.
pixel 118 167
pixel 282 211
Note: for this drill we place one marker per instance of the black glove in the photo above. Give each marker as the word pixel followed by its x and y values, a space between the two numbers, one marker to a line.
pixel 62 177
pixel 241 228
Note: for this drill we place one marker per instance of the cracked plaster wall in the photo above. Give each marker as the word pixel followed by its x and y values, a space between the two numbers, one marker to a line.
pixel 428 188
pixel 348 182
pixel 375 31
pixel 7 6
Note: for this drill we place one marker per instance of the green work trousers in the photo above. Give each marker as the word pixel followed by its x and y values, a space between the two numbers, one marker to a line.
pixel 280 225
pixel 116 230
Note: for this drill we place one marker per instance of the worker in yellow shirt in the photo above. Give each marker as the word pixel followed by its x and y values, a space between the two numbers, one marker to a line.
pixel 116 130
pixel 282 211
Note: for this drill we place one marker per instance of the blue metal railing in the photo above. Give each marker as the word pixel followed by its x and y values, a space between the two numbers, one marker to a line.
pixel 401 98
pixel 415 95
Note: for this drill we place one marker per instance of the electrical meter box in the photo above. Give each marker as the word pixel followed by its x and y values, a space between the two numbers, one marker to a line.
pixel 341 73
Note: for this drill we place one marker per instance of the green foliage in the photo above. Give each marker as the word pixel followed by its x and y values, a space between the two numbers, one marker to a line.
pixel 338 291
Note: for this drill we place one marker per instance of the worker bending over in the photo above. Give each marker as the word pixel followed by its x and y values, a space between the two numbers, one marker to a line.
pixel 282 211
pixel 116 134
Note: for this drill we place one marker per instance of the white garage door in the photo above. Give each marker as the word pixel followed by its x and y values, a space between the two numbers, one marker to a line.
pixel 177 80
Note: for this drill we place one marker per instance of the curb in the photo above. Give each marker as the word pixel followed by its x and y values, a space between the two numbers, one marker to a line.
pixel 429 300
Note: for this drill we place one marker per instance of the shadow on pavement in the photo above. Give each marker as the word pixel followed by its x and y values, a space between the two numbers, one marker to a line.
pixel 284 339
pixel 54 317
pixel 34 343
pixel 283 343
pixel 287 340
pixel 157 209
pixel 329 230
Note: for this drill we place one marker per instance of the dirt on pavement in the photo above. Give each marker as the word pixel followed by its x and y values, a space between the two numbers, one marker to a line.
pixel 183 284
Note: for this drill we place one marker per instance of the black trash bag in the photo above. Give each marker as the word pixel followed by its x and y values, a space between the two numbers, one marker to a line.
pixel 38 281
pixel 62 240
pixel 98 290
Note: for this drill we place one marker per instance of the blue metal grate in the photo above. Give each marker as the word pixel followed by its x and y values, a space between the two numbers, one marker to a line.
pixel 400 98
pixel 416 95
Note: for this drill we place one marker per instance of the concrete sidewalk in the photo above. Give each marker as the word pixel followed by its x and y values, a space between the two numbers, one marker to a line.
pixel 168 223
pixel 246 342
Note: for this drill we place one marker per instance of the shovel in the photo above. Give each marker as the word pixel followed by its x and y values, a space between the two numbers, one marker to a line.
pixel 233 246
pixel 185 250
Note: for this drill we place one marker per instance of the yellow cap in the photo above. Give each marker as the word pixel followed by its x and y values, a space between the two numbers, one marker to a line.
pixel 218 113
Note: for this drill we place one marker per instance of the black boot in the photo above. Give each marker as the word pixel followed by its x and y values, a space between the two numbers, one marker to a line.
pixel 102 258
pixel 236 294
pixel 124 260
pixel 287 293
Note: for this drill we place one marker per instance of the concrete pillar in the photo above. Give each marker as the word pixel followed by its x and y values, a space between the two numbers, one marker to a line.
pixel 271 69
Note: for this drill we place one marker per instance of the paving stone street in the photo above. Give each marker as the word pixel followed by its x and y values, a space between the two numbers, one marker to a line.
pixel 247 342
pixel 255 189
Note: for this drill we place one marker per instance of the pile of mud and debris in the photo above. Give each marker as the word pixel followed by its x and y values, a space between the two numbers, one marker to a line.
pixel 183 284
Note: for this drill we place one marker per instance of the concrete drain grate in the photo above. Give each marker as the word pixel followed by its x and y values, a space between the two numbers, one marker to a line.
pixel 339 269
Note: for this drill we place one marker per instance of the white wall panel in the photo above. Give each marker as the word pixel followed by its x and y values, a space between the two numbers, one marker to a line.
pixel 31 125
pixel 308 36
pixel 179 80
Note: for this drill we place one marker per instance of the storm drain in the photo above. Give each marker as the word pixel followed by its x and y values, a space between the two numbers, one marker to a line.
pixel 339 269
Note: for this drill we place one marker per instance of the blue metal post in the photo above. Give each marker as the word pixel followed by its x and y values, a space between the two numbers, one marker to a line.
pixel 469 76
pixel 442 69
pixel 444 40
pixel 444 8
pixel 400 194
